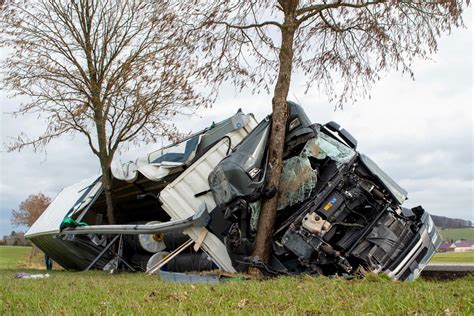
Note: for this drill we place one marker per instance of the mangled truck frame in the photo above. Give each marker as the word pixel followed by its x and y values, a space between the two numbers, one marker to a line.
pixel 338 212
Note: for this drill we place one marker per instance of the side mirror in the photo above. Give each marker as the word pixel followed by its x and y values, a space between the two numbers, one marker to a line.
pixel 341 132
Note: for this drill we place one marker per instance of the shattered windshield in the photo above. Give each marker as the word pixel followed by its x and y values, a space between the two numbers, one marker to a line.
pixel 337 151
pixel 298 178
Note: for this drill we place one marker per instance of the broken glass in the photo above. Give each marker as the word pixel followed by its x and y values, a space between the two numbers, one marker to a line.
pixel 255 214
pixel 337 151
pixel 298 178
pixel 296 182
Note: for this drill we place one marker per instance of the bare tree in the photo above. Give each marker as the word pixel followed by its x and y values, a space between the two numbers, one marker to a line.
pixel 30 209
pixel 340 46
pixel 112 71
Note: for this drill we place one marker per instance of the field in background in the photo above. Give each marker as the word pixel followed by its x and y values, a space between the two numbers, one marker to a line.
pixel 457 233
pixel 12 257
pixel 454 257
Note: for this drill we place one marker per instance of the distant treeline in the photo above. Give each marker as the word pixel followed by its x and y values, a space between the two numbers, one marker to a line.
pixel 15 239
pixel 446 222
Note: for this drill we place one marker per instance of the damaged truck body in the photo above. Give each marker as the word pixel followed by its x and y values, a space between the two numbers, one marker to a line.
pixel 338 212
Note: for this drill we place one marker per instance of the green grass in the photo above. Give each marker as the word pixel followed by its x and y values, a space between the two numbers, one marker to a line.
pixel 96 292
pixel 79 293
pixel 453 257
pixel 457 233
pixel 12 257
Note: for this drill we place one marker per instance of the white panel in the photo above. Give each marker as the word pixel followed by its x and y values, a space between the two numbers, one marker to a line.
pixel 53 216
pixel 179 201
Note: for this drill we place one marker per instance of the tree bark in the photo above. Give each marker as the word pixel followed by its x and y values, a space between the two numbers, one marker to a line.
pixel 105 164
pixel 277 136
pixel 107 183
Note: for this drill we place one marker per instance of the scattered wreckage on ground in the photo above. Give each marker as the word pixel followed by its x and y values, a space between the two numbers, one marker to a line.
pixel 194 206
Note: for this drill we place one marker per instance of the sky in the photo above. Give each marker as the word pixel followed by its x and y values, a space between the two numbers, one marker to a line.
pixel 418 131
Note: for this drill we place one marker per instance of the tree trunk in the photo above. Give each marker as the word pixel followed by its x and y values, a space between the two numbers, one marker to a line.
pixel 105 159
pixel 107 183
pixel 277 136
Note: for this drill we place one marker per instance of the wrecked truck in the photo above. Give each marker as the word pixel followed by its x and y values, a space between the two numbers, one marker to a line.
pixel 195 205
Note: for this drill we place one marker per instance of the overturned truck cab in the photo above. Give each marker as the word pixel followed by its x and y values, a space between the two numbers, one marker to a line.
pixel 338 212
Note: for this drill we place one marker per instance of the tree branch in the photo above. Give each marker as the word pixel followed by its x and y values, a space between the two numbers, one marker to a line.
pixel 315 9
pixel 248 26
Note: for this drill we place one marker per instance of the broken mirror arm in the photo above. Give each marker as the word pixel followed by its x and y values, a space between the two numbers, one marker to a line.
pixel 200 219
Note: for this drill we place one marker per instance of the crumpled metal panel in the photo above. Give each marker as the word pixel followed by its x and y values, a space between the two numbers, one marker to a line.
pixel 170 159
pixel 158 164
pixel 72 253
pixel 393 187
pixel 54 214
pixel 231 179
pixel 179 199
pixel 179 202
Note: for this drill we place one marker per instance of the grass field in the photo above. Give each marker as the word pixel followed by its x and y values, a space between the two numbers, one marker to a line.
pixel 453 257
pixel 102 293
pixel 457 233
pixel 11 257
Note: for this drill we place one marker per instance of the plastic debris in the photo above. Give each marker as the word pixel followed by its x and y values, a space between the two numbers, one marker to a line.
pixel 189 278
pixel 24 275
pixel 70 222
